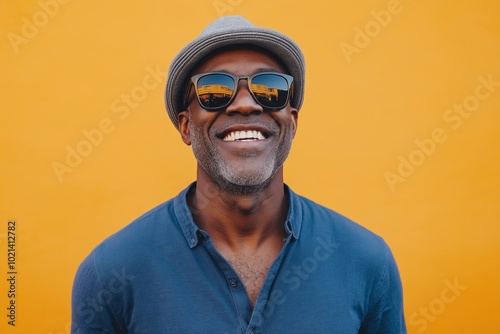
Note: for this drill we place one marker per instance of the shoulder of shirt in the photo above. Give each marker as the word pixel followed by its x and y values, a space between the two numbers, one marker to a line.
pixel 127 245
pixel 320 220
pixel 144 223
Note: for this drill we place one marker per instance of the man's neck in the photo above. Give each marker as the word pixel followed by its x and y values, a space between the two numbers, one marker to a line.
pixel 241 223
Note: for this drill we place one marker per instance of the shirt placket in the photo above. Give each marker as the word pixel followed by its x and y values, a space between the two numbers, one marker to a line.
pixel 259 315
pixel 236 287
pixel 249 320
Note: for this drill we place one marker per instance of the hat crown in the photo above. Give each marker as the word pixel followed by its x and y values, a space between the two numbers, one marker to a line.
pixel 226 23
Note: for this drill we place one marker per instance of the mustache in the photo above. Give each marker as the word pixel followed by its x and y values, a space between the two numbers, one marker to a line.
pixel 271 127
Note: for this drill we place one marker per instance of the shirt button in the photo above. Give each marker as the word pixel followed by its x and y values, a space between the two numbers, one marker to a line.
pixel 233 282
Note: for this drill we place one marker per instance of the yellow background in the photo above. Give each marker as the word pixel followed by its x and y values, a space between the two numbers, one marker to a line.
pixel 361 113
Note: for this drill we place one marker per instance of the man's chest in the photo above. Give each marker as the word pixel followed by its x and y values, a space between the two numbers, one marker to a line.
pixel 252 271
pixel 293 290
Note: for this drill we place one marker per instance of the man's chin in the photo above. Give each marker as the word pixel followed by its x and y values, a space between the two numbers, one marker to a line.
pixel 243 189
pixel 243 184
pixel 238 177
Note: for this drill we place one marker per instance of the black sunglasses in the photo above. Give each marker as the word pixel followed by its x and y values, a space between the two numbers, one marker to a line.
pixel 216 90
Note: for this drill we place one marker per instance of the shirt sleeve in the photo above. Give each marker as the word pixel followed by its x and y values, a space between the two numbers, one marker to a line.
pixel 386 314
pixel 91 310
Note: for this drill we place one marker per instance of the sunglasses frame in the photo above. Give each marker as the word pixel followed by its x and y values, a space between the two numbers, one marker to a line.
pixel 236 79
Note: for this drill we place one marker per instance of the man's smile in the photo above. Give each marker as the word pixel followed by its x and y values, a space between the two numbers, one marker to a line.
pixel 245 138
pixel 255 133
pixel 249 135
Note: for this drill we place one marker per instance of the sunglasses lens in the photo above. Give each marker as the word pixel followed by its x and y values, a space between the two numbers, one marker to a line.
pixel 271 90
pixel 215 90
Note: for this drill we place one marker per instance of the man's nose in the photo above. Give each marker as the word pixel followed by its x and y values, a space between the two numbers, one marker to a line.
pixel 243 102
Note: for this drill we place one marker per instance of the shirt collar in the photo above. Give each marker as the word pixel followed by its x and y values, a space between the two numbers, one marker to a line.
pixel 294 219
pixel 192 232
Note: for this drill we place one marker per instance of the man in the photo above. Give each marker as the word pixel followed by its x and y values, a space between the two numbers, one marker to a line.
pixel 238 251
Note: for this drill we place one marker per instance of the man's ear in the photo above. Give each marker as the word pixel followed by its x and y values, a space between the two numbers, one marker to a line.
pixel 183 119
pixel 295 119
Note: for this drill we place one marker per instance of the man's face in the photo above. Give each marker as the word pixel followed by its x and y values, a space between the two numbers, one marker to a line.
pixel 242 166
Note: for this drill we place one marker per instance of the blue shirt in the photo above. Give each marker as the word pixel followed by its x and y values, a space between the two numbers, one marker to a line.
pixel 162 274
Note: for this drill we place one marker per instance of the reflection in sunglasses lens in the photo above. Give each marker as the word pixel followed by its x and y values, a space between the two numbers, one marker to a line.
pixel 215 90
pixel 271 90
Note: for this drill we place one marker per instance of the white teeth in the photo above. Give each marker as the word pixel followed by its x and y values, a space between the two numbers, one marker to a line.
pixel 244 135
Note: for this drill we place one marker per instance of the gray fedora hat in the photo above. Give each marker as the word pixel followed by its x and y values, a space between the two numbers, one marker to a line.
pixel 224 32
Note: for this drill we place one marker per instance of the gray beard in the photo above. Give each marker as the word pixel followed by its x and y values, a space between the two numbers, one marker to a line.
pixel 229 178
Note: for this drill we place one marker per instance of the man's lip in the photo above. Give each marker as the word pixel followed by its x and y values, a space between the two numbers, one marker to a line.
pixel 245 127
